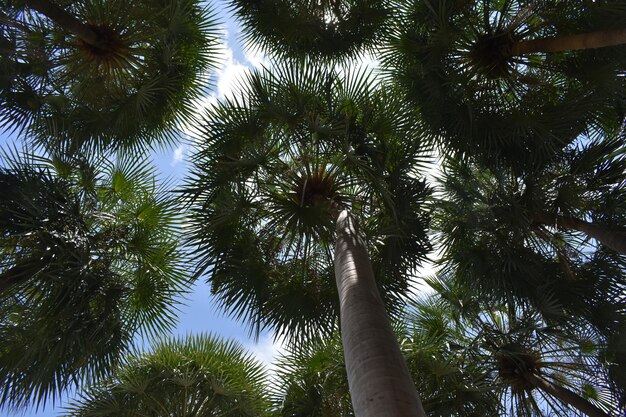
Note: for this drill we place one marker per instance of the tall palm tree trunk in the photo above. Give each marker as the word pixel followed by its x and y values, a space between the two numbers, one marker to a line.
pixel 64 19
pixel 378 377
pixel 566 396
pixel 591 40
pixel 613 239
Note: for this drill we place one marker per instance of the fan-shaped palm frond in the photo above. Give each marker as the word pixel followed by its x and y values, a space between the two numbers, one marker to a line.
pixel 89 256
pixel 457 61
pixel 196 376
pixel 532 367
pixel 327 29
pixel 99 73
pixel 505 233
pixel 274 165
pixel 312 381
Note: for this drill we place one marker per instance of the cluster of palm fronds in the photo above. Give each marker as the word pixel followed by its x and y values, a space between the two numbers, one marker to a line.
pixel 89 257
pixel 491 131
pixel 90 236
pixel 134 79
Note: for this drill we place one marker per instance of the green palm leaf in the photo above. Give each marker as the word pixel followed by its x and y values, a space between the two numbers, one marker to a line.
pixel 453 59
pixel 328 30
pixel 89 257
pixel 499 230
pixel 136 86
pixel 509 342
pixel 274 163
pixel 194 377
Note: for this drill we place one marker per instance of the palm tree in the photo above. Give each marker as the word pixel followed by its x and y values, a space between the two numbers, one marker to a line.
pixel 454 385
pixel 496 239
pixel 581 191
pixel 99 73
pixel 312 381
pixel 327 29
pixel 196 376
pixel 302 152
pixel 89 257
pixel 532 364
pixel 503 232
pixel 488 83
pixel 473 359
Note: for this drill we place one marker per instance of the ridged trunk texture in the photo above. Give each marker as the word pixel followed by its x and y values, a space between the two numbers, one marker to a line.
pixel 613 239
pixel 591 40
pixel 566 396
pixel 65 20
pixel 378 377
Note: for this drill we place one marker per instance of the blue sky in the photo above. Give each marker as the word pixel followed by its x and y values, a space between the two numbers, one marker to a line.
pixel 199 313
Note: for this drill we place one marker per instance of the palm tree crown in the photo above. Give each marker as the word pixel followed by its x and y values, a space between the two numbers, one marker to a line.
pixel 89 256
pixel 133 82
pixel 456 60
pixel 273 168
pixel 312 380
pixel 327 29
pixel 529 364
pixel 499 231
pixel 199 376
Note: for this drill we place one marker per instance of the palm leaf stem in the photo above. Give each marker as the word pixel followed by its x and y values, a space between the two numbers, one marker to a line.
pixel 21 272
pixel 11 277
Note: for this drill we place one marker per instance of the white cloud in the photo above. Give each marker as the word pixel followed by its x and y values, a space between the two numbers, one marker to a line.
pixel 369 61
pixel 229 76
pixel 178 155
pixel 433 171
pixel 255 57
pixel 419 287
pixel 364 62
pixel 267 351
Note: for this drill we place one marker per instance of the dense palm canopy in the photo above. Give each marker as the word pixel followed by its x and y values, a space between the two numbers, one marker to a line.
pixel 529 314
pixel 471 358
pixel 499 231
pixel 88 257
pixel 312 381
pixel 515 348
pixel 273 165
pixel 537 237
pixel 327 29
pixel 132 81
pixel 450 384
pixel 196 376
pixel 456 60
